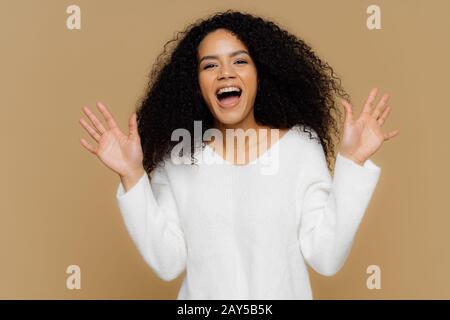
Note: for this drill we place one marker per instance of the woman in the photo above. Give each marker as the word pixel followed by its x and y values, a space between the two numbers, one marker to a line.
pixel 239 233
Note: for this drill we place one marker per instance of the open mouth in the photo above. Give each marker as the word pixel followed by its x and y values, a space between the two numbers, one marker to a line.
pixel 228 96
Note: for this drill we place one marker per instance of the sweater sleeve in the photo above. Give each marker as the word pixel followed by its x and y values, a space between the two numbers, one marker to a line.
pixel 332 209
pixel 150 214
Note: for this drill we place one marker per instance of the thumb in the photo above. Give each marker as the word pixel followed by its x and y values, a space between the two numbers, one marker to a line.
pixel 132 125
pixel 348 112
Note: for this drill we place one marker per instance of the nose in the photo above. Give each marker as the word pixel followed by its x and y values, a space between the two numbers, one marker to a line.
pixel 226 72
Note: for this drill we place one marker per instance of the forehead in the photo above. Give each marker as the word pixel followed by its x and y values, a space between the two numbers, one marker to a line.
pixel 220 41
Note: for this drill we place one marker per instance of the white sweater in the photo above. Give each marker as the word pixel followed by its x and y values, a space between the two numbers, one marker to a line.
pixel 241 234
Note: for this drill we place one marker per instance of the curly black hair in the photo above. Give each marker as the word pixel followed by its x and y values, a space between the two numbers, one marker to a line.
pixel 295 86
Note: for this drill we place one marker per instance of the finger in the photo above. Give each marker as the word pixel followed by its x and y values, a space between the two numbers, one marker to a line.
pixel 348 111
pixel 98 125
pixel 381 106
pixel 368 106
pixel 90 148
pixel 391 134
pixel 108 116
pixel 93 133
pixel 383 117
pixel 132 125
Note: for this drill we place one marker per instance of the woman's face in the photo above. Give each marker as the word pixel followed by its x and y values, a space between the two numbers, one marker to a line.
pixel 227 77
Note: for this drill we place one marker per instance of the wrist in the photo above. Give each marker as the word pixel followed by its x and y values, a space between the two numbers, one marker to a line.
pixel 132 176
pixel 353 158
pixel 133 172
pixel 358 161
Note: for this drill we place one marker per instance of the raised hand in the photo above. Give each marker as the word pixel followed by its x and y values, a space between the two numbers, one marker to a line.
pixel 119 152
pixel 364 136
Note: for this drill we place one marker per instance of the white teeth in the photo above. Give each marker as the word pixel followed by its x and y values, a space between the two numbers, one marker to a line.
pixel 228 89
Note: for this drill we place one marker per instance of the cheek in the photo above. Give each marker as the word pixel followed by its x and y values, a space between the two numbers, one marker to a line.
pixel 205 85
pixel 251 80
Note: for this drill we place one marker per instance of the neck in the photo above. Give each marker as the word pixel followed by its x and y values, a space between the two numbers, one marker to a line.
pixel 246 124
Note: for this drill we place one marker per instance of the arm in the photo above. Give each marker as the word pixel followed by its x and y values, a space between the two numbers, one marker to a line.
pixel 150 214
pixel 149 211
pixel 332 210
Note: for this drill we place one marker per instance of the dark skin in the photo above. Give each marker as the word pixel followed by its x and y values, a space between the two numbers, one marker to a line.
pixel 122 153
pixel 362 137
pixel 224 60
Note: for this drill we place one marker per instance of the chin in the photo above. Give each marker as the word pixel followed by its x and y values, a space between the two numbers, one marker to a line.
pixel 231 117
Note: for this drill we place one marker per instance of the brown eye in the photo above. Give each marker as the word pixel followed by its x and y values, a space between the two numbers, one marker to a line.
pixel 208 66
pixel 241 61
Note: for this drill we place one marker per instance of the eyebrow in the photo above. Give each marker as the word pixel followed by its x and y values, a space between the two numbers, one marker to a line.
pixel 235 53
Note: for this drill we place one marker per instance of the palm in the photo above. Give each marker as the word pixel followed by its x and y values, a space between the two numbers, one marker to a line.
pixel 119 152
pixel 364 136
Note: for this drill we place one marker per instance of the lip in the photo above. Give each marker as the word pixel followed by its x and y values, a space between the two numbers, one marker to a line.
pixel 224 85
pixel 228 106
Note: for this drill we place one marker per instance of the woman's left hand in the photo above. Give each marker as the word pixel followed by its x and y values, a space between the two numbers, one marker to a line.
pixel 363 137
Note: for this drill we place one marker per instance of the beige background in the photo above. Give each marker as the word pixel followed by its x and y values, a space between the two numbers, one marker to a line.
pixel 58 201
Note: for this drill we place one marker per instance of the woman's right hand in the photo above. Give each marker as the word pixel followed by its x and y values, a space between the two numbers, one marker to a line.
pixel 119 152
